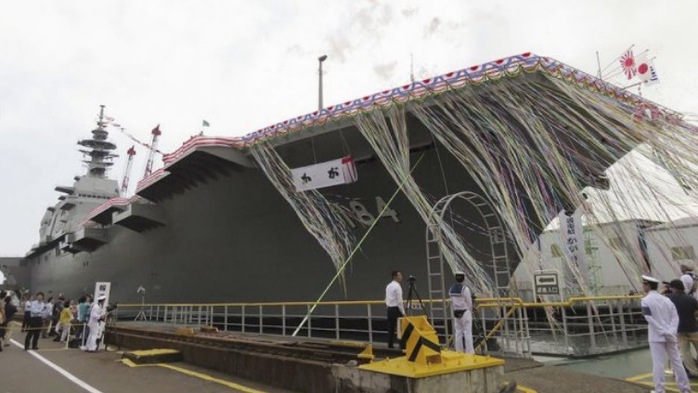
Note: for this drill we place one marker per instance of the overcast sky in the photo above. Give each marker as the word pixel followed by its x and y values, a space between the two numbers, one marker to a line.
pixel 245 65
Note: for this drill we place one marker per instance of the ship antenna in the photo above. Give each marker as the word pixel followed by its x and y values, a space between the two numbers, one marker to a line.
pixel 101 116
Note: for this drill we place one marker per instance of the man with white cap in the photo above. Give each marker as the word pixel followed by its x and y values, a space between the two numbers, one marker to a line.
pixel 663 322
pixel 689 280
pixel 462 305
pixel 96 316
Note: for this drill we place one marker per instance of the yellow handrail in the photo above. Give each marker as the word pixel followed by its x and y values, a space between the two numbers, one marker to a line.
pixel 518 302
pixel 481 302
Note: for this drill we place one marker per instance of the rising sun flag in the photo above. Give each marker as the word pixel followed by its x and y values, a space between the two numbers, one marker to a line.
pixel 627 62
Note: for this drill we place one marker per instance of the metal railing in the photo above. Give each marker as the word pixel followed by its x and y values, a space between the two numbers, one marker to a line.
pixel 577 327
pixel 580 326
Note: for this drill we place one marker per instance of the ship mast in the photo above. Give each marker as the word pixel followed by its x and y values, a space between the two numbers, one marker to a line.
pixel 100 150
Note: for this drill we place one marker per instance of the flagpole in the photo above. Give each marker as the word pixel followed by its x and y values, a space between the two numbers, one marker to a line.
pixel 598 64
pixel 633 85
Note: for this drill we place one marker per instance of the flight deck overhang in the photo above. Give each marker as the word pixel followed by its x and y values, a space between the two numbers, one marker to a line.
pixel 68 246
pixel 104 212
pixel 46 243
pixel 140 217
pixel 87 239
pixel 188 167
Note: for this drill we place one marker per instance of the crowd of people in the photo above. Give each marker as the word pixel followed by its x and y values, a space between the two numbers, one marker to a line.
pixel 76 323
pixel 672 327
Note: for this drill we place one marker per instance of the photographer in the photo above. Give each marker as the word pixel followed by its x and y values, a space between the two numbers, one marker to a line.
pixel 396 308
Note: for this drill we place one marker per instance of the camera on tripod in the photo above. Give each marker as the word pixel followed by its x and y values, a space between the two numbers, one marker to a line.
pixel 413 293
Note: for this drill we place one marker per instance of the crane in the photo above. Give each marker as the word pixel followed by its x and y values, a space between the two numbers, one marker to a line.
pixel 152 149
pixel 124 183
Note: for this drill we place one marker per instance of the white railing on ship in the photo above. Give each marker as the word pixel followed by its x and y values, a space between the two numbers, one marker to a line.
pixel 579 326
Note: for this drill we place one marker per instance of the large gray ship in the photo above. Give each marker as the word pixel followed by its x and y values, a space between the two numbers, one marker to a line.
pixel 221 221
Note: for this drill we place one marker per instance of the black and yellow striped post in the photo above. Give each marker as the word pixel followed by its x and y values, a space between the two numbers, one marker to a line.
pixel 420 341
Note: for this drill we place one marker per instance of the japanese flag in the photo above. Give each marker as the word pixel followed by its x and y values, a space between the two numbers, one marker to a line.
pixel 646 71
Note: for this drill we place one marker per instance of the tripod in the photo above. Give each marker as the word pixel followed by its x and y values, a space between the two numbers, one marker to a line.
pixel 410 297
pixel 141 314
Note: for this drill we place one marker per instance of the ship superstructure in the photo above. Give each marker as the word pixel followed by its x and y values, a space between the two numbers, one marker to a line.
pixel 62 223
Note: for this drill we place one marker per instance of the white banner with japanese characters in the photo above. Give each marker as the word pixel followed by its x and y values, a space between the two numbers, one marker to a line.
pixel 102 288
pixel 326 174
pixel 573 241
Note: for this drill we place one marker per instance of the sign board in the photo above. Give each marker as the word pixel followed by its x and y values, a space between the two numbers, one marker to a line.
pixel 102 288
pixel 546 282
pixel 325 174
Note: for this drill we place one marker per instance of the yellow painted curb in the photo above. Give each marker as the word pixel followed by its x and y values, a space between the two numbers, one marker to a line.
pixel 199 375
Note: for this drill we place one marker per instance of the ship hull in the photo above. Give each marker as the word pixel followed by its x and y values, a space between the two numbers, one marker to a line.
pixel 235 239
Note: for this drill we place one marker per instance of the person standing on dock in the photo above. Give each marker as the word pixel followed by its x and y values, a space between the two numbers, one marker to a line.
pixel 689 280
pixel 396 308
pixel 83 315
pixel 37 312
pixel 687 308
pixel 27 305
pixel 10 311
pixel 663 322
pixel 3 320
pixel 462 305
pixel 96 316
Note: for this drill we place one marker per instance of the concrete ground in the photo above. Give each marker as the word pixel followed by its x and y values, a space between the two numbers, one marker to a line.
pixel 102 372
pixel 55 369
pixel 628 372
pixel 553 379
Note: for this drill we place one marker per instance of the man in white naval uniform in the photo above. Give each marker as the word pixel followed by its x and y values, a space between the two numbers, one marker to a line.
pixel 462 305
pixel 663 322
pixel 96 315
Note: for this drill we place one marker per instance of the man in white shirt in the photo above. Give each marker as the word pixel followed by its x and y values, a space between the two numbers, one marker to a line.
pixel 396 308
pixel 462 305
pixel 38 312
pixel 663 322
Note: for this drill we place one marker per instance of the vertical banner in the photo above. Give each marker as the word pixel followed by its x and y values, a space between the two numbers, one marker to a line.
pixel 573 241
pixel 102 288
